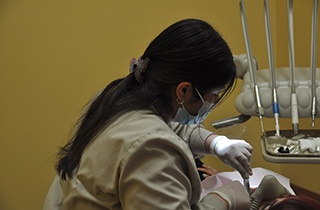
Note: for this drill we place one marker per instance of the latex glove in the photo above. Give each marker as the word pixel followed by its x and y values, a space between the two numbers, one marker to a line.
pixel 268 190
pixel 235 194
pixel 233 152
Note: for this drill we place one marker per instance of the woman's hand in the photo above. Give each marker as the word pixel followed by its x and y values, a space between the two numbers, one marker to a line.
pixel 233 152
pixel 234 194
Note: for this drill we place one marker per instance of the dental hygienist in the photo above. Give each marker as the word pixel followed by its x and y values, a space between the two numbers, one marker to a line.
pixel 135 145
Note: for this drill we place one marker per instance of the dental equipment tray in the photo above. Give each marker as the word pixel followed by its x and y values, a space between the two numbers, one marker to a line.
pixel 291 148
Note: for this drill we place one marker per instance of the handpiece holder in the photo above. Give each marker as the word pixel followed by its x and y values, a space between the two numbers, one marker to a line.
pixel 245 101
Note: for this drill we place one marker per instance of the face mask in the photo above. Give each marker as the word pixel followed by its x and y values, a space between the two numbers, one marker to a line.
pixel 183 116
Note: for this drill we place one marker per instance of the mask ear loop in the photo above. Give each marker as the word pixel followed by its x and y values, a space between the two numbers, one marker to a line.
pixel 212 104
pixel 199 94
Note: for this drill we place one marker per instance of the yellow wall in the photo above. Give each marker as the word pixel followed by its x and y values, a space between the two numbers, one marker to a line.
pixel 54 55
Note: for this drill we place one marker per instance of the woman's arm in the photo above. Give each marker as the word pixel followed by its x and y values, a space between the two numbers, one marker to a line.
pixel 233 152
pixel 159 174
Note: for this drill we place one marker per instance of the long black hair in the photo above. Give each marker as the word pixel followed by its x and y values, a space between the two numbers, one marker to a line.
pixel 189 50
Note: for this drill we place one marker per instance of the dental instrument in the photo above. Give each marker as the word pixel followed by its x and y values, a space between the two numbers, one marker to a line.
pixel 260 110
pixel 246 184
pixel 275 104
pixel 230 121
pixel 314 61
pixel 294 102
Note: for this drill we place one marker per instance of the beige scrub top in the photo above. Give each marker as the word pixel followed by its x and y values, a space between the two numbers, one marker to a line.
pixel 137 162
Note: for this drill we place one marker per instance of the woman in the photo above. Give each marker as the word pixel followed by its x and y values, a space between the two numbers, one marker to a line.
pixel 135 145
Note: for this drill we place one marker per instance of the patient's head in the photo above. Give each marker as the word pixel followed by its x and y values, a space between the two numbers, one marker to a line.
pixel 272 195
pixel 291 202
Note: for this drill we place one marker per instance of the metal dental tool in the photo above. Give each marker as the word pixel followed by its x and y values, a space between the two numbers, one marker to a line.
pixel 246 184
pixel 294 103
pixel 260 110
pixel 230 121
pixel 314 61
pixel 275 104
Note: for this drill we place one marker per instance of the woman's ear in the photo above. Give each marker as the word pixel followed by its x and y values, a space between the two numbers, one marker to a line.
pixel 184 91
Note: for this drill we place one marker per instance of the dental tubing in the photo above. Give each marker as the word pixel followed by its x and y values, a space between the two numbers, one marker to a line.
pixel 294 102
pixel 314 61
pixel 260 110
pixel 275 104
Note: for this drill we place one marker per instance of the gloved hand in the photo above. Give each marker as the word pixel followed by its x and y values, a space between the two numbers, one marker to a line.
pixel 233 152
pixel 235 194
pixel 268 190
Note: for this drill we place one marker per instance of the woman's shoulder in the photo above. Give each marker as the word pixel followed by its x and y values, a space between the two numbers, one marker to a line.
pixel 139 122
pixel 134 125
pixel 134 132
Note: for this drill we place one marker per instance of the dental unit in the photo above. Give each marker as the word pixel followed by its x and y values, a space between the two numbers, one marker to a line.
pixel 280 92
